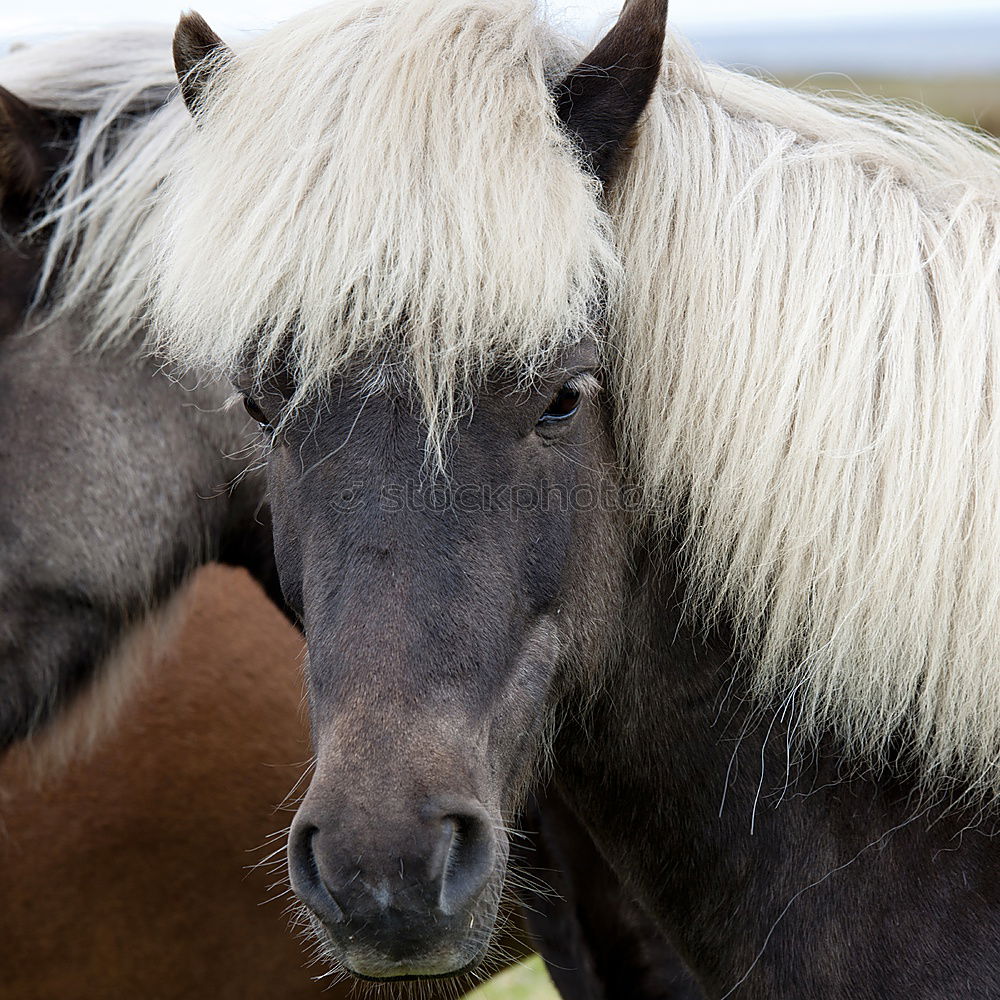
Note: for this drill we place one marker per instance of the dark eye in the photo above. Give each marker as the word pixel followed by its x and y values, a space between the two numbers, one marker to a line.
pixel 256 413
pixel 564 404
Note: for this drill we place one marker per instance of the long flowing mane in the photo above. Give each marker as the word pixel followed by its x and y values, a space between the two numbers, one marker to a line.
pixel 809 341
pixel 802 294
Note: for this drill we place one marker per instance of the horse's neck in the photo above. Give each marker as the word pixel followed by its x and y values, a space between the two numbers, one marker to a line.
pixel 728 839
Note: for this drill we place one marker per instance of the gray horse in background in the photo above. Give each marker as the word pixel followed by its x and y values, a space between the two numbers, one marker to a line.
pixel 116 482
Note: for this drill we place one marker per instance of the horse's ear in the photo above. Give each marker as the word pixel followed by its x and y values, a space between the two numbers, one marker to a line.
pixel 26 138
pixel 198 53
pixel 601 100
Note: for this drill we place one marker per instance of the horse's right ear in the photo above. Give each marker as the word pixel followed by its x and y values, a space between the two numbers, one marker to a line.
pixel 26 139
pixel 198 54
pixel 601 100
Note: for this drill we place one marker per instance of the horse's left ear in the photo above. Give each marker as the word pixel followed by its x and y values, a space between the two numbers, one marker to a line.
pixel 198 54
pixel 601 100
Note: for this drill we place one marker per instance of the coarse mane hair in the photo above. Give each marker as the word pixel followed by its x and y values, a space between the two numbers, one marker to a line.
pixel 809 368
pixel 802 297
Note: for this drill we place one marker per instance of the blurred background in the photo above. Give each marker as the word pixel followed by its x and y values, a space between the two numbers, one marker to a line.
pixel 942 54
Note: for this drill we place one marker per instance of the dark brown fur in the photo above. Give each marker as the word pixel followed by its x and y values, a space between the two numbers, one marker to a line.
pixel 601 101
pixel 32 146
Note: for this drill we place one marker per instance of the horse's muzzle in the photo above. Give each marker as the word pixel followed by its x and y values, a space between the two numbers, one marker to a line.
pixel 400 901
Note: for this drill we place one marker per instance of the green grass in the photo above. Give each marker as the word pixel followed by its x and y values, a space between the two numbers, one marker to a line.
pixel 528 981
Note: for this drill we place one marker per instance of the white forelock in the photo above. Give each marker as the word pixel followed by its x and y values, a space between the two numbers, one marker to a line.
pixel 376 176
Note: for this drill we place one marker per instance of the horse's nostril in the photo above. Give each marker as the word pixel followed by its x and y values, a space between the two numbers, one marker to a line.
pixel 471 853
pixel 307 882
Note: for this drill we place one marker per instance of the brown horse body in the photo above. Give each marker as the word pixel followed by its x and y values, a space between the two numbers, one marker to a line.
pixel 127 872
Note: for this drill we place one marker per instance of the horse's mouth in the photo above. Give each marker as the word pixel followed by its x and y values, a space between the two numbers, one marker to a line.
pixel 418 977
pixel 389 971
pixel 371 966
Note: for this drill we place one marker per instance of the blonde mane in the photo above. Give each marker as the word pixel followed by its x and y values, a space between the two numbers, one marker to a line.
pixel 803 296
pixel 387 216
pixel 810 367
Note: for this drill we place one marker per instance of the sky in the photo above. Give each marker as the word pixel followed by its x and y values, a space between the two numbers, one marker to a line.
pixel 18 17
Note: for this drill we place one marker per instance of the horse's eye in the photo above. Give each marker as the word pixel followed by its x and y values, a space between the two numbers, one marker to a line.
pixel 564 404
pixel 256 413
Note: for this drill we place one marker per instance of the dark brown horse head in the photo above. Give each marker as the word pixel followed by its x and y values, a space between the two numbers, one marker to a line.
pixel 448 610
pixel 444 615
